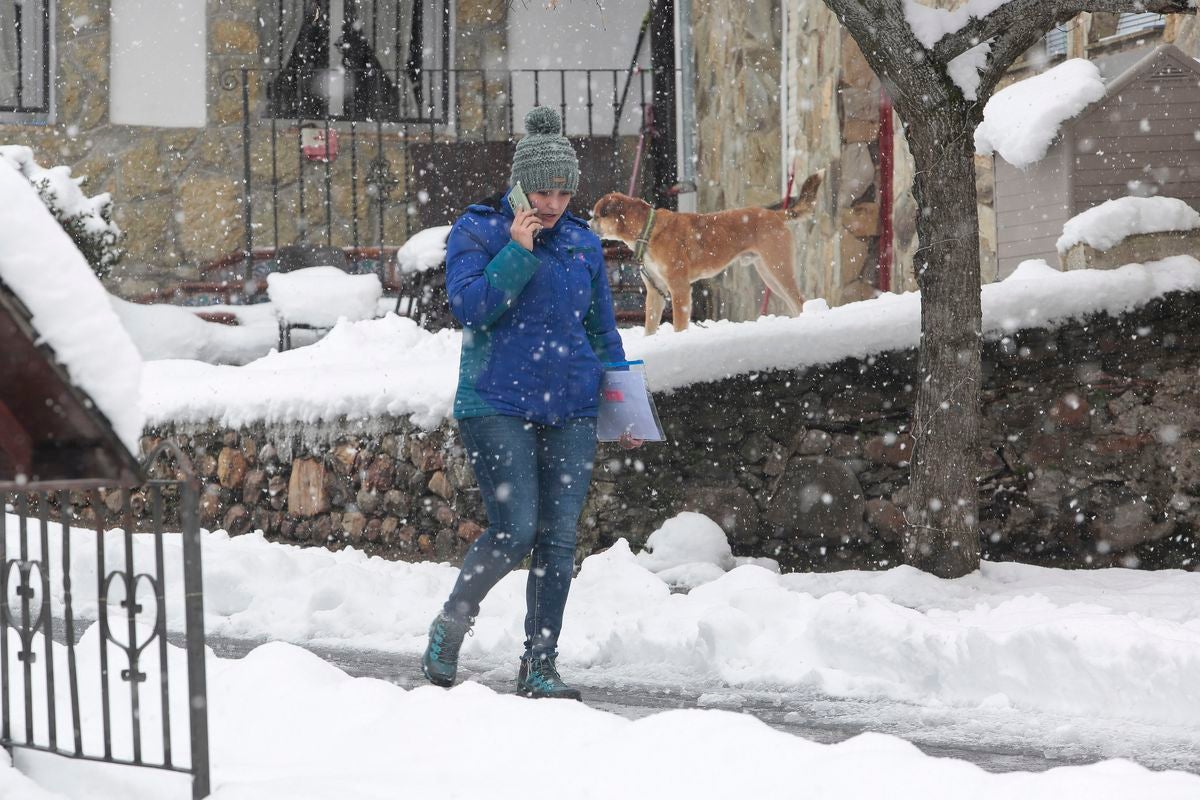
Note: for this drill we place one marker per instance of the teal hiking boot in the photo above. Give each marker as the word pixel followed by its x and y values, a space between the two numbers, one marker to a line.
pixel 539 678
pixel 440 662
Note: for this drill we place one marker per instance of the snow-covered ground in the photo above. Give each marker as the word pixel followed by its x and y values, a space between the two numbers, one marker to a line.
pixel 287 726
pixel 1012 643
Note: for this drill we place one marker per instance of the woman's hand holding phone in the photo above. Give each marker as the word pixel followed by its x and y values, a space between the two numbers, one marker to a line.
pixel 524 227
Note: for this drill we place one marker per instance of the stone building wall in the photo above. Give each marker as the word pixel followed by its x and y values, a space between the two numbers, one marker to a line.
pixel 1090 456
pixel 737 126
pixel 178 191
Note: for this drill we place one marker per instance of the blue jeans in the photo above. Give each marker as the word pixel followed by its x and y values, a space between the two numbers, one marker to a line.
pixel 534 479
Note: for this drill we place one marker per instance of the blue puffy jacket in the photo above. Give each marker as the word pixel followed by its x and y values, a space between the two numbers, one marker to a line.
pixel 536 325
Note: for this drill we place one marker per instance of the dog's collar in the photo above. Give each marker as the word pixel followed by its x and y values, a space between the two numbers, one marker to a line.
pixel 640 244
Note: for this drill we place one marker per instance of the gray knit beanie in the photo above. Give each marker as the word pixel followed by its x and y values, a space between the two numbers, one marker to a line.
pixel 545 159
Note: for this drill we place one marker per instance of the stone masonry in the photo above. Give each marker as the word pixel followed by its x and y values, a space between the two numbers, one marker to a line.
pixel 1090 457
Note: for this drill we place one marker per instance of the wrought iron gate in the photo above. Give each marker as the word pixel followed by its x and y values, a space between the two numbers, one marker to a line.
pixel 60 544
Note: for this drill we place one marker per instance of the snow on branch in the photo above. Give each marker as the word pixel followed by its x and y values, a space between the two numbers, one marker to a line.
pixel 930 25
pixel 954 32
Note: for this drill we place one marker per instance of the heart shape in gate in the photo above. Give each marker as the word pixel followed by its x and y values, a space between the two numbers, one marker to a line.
pixel 25 588
pixel 130 587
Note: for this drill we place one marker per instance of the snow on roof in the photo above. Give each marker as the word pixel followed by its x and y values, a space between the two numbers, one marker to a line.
pixel 929 25
pixel 391 366
pixel 1109 223
pixel 69 307
pixel 424 250
pixel 1021 121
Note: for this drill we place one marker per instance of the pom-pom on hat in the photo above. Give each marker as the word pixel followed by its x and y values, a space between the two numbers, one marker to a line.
pixel 545 159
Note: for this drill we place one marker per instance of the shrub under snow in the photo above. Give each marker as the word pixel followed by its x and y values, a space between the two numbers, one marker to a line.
pixel 87 220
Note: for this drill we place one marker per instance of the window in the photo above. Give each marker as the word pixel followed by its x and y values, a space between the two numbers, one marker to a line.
pixel 1056 42
pixel 26 60
pixel 1136 23
pixel 345 59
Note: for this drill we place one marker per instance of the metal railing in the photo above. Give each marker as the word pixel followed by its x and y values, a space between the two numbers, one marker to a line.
pixel 48 674
pixel 349 181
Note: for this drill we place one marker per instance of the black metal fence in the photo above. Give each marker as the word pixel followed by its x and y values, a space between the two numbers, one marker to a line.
pixel 117 693
pixel 433 141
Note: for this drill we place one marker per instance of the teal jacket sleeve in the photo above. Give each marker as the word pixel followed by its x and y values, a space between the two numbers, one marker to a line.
pixel 482 286
pixel 600 322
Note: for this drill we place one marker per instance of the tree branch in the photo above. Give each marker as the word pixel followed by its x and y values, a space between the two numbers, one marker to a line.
pixel 891 48
pixel 995 24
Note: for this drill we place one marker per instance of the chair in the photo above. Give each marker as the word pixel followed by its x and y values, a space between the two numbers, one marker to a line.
pixel 315 298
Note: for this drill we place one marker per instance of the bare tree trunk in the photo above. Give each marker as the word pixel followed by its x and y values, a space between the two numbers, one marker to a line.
pixel 943 532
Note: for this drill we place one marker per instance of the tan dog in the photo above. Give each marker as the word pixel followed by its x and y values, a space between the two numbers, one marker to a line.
pixel 684 248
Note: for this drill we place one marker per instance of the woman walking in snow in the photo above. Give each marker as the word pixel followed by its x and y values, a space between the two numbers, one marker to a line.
pixel 531 291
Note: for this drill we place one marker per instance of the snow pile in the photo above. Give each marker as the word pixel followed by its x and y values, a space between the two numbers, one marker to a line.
pixel 165 331
pixel 1106 644
pixel 392 366
pixel 70 308
pixel 929 25
pixel 378 740
pixel 1021 121
pixel 87 219
pixel 424 250
pixel 387 366
pixel 320 296
pixel 1109 223
pixel 687 551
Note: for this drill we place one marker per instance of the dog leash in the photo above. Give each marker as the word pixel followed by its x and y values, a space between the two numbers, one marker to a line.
pixel 639 254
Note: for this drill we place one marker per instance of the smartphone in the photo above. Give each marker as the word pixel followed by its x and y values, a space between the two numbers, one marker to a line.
pixel 517 198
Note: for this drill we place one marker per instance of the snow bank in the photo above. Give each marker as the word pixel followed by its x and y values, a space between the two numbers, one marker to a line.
pixel 70 308
pixel 424 250
pixel 386 366
pixel 392 366
pixel 320 296
pixel 1107 224
pixel 378 740
pixel 1021 121
pixel 1106 644
pixel 929 25
pixel 165 331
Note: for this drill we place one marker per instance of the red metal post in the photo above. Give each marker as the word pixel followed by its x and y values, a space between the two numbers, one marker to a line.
pixel 887 162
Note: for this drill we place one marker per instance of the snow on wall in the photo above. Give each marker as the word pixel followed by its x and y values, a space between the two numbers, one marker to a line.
pixel 1021 121
pixel 1107 224
pixel 70 308
pixel 391 366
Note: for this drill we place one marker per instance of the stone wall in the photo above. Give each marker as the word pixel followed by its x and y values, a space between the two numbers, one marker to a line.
pixel 178 191
pixel 1090 456
pixel 737 126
